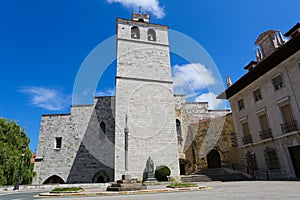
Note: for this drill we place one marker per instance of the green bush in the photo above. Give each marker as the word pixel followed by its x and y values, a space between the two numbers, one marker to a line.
pixel 71 189
pixel 162 172
pixel 182 185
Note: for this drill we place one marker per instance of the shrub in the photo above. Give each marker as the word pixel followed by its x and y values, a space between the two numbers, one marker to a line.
pixel 162 172
pixel 182 185
pixel 66 190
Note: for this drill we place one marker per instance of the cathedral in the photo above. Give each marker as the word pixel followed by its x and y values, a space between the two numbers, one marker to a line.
pixel 116 135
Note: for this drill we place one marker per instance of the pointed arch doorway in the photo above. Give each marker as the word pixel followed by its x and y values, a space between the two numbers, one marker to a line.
pixel 213 159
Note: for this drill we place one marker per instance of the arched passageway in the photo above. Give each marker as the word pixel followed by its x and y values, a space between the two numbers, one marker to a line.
pixel 54 179
pixel 213 159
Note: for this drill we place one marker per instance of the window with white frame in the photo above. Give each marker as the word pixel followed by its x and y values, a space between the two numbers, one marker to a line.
pixel 277 82
pixel 58 142
pixel 289 124
pixel 241 104
pixel 257 95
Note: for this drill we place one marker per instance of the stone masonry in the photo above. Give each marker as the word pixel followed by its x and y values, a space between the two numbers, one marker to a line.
pixel 144 93
pixel 88 145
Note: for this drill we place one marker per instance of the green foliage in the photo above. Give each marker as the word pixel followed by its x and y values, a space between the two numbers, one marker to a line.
pixel 12 138
pixel 162 172
pixel 182 185
pixel 71 189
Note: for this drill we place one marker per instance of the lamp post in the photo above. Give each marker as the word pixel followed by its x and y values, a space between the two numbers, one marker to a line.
pixel 19 173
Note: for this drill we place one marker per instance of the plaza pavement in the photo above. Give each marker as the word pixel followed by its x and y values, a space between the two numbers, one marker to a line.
pixel 242 190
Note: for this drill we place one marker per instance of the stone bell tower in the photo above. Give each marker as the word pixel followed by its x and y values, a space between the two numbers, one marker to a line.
pixel 145 115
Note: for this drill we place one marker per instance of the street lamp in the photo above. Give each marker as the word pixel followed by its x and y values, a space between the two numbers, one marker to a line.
pixel 19 173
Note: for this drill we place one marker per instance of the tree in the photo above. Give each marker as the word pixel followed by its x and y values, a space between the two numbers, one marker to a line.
pixel 12 138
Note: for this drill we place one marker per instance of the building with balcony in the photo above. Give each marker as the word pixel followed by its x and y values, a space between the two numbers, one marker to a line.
pixel 265 103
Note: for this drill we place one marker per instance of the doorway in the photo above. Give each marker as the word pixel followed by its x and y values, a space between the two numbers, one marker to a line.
pixel 295 157
pixel 213 159
pixel 182 164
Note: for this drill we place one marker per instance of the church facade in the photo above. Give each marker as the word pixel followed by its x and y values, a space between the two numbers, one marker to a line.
pixel 115 136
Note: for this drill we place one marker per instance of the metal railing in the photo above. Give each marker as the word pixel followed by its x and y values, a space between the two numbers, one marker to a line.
pixel 247 139
pixel 289 126
pixel 265 134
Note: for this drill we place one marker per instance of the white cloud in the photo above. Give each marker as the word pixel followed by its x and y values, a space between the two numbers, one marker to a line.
pixel 148 5
pixel 210 97
pixel 107 92
pixel 191 77
pixel 46 98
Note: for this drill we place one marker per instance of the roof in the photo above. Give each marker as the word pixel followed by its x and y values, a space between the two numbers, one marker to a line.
pixel 264 66
pixel 56 115
pixel 287 34
pixel 250 64
pixel 264 34
pixel 127 21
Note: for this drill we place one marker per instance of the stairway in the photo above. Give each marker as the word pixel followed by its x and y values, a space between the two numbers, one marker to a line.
pixel 215 174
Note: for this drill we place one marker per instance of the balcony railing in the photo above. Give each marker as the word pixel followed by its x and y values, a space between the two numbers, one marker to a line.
pixel 265 134
pixel 247 139
pixel 289 126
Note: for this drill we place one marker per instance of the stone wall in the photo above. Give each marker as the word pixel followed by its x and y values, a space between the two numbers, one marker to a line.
pixel 144 93
pixel 204 141
pixel 191 113
pixel 86 152
pixel 53 159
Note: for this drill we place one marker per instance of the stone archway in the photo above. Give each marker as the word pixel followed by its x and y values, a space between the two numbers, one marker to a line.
pixel 54 179
pixel 101 177
pixel 213 159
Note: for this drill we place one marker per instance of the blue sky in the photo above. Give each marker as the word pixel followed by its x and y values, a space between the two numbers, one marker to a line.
pixel 44 42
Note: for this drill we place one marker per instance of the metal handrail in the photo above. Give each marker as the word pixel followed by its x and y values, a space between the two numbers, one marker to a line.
pixel 289 126
pixel 247 139
pixel 265 134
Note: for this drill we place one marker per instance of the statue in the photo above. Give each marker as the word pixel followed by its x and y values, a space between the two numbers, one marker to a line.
pixel 149 171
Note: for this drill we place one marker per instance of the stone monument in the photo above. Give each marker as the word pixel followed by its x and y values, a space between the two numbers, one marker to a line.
pixel 149 171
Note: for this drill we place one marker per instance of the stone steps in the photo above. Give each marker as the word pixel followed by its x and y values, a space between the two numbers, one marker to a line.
pixel 195 178
pixel 214 174
pixel 221 174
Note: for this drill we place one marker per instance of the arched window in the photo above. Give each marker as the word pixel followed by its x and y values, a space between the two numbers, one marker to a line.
pixel 151 35
pixel 135 32
pixel 178 127
pixel 103 127
pixel 100 177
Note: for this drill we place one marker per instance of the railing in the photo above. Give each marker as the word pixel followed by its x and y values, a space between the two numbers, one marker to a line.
pixel 289 127
pixel 265 134
pixel 247 139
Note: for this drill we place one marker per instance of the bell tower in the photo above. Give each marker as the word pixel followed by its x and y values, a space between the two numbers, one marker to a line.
pixel 145 114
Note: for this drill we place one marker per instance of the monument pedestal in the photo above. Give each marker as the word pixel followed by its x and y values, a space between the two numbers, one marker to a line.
pixel 126 185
